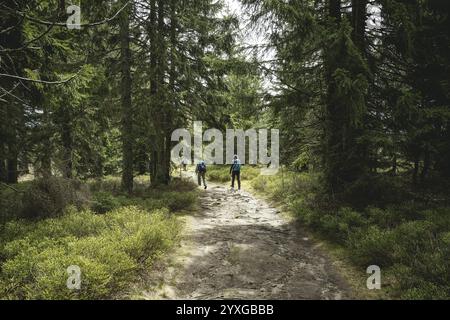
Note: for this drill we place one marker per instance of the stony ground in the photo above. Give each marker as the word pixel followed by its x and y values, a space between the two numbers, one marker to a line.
pixel 239 247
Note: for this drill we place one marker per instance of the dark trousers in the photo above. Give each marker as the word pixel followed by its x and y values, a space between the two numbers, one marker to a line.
pixel 234 175
pixel 201 176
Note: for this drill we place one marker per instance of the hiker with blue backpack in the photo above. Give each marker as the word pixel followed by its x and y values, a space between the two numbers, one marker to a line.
pixel 200 170
pixel 235 172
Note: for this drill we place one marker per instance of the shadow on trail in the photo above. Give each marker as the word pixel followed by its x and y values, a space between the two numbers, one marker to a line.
pixel 239 247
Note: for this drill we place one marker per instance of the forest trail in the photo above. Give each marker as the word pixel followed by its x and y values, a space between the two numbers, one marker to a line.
pixel 239 247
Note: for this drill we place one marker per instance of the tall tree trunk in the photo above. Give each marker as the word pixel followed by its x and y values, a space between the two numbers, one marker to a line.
pixel 2 145
pixel 161 162
pixel 359 18
pixel 13 114
pixel 346 157
pixel 67 143
pixel 415 170
pixel 334 10
pixel 153 90
pixel 13 175
pixel 2 161
pixel 394 164
pixel 11 111
pixel 13 147
pixel 45 157
pixel 127 109
pixel 171 107
pixel 426 166
pixel 333 137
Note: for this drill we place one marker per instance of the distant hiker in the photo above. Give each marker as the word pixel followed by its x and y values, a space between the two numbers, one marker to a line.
pixel 200 170
pixel 184 164
pixel 235 172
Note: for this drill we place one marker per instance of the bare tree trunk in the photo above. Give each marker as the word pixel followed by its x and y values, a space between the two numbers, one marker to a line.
pixel 416 170
pixel 127 109
pixel 161 163
pixel 2 157
pixel 334 9
pixel 12 112
pixel 67 142
pixel 426 166
pixel 12 143
pixel 170 114
pixel 46 159
pixel 359 18
pixel 394 164
pixel 153 89
pixel 333 136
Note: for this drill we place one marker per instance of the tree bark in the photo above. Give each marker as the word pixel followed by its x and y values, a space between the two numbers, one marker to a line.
pixel 2 162
pixel 415 170
pixel 2 148
pixel 334 10
pixel 359 18
pixel 333 136
pixel 127 109
pixel 11 112
pixel 426 167
pixel 161 163
pixel 67 143
pixel 153 89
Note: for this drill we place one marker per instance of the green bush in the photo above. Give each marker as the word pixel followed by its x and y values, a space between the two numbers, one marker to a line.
pixel 426 291
pixel 413 238
pixel 109 249
pixel 174 201
pixel 409 240
pixel 104 202
pixel 333 228
pixel 11 201
pixel 352 218
pixel 439 217
pixel 380 190
pixel 371 246
pixel 179 195
pixel 260 183
pixel 177 201
pixel 380 217
pixel 49 197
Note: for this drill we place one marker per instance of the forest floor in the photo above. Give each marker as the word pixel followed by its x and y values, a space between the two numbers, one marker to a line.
pixel 237 246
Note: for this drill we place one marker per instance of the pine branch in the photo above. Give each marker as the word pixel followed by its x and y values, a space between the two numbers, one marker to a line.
pixel 64 24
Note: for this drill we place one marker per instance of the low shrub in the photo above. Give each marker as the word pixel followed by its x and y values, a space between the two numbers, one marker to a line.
pixel 11 202
pixel 408 239
pixel 104 202
pixel 177 201
pixel 371 246
pixel 380 190
pixel 381 217
pixel 333 228
pixel 109 249
pixel 49 197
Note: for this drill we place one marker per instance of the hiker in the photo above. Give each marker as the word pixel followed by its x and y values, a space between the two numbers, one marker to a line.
pixel 184 164
pixel 235 172
pixel 200 170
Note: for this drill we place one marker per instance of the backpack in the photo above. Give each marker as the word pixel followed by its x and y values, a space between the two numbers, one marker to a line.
pixel 202 167
pixel 237 166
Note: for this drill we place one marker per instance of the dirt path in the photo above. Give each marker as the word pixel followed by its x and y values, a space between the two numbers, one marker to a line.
pixel 239 247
